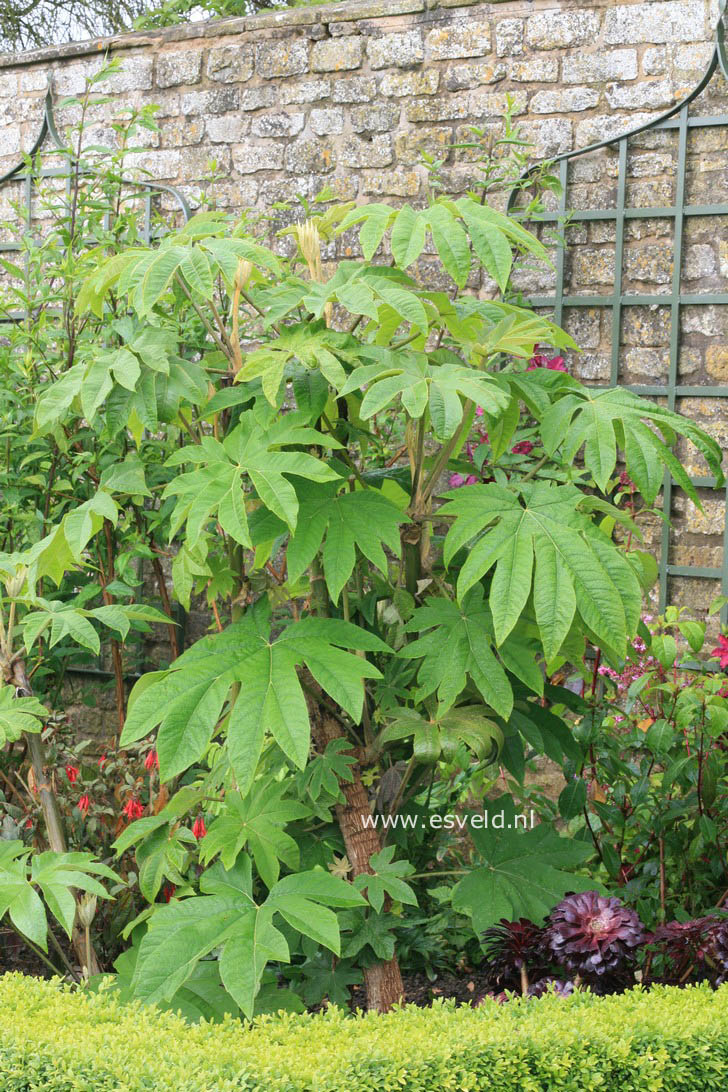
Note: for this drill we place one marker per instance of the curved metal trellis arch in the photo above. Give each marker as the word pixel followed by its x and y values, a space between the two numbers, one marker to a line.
pixel 678 118
pixel 27 172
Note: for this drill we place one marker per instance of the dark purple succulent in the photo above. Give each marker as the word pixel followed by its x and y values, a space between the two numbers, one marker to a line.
pixel 554 985
pixel 716 950
pixel 683 946
pixel 514 952
pixel 593 935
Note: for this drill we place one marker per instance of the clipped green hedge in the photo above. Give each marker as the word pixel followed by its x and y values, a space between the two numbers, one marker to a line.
pixel 55 1040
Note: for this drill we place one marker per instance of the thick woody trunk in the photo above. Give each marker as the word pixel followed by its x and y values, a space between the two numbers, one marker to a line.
pixel 383 981
pixel 51 814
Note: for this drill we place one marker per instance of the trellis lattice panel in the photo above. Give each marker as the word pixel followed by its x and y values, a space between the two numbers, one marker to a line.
pixel 639 242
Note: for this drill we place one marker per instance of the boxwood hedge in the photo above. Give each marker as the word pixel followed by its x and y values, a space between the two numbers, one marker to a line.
pixel 56 1040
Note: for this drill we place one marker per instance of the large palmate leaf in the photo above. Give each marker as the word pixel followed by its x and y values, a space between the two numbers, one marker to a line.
pixel 439 737
pixel 18 715
pixel 252 452
pixel 547 545
pixel 612 422
pixel 226 917
pixel 423 382
pixel 457 648
pixel 256 821
pixel 55 875
pixel 362 519
pixel 521 871
pixel 312 345
pixel 187 700
pixel 455 227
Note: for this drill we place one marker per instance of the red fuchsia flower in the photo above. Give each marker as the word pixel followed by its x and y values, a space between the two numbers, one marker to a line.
pixel 198 828
pixel 28 824
pixel 84 803
pixel 168 891
pixel 133 809
pixel 102 762
pixel 525 447
pixel 721 651
pixel 72 773
pixel 151 762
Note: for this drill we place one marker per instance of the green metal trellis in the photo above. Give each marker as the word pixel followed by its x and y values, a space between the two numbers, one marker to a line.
pixel 677 119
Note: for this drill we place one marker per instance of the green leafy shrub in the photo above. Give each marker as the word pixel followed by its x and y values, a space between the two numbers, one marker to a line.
pixel 52 1040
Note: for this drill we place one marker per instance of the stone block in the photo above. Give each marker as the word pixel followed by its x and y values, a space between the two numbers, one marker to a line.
pixel 665 21
pixel 255 98
pixel 570 100
pixel 538 69
pixel 649 265
pixel 327 121
pixel 461 39
pixel 646 326
pixel 396 50
pixel 278 125
pixel 550 136
pixel 592 267
pixel 611 64
pixel 337 54
pixel 433 140
pixel 509 37
pixel 640 96
pixel 409 83
pixel 218 101
pixel 9 140
pixel 158 163
pixel 356 89
pixel 251 158
pixel 227 128
pixel 306 157
pixel 181 67
pixel 484 104
pixel 460 77
pixel 302 91
pixel 395 183
pixel 558 29
pixel 281 58
pixel 377 152
pixel 700 261
pixel 654 61
pixel 440 108
pixel 377 118
pixel 583 325
pixel 34 79
pixel 231 64
pixel 716 363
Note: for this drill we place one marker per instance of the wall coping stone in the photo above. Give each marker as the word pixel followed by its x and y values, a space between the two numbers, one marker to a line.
pixel 270 20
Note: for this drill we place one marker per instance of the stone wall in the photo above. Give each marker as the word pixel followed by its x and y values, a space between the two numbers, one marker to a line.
pixel 350 95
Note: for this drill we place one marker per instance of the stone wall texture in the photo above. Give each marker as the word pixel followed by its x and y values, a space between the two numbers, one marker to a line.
pixel 350 95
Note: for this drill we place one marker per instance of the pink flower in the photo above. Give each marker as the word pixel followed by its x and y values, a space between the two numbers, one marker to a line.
pixel 455 481
pixel 479 411
pixel 72 773
pixel 84 803
pixel 133 809
pixel 721 651
pixel 552 364
pixel 525 447
pixel 198 828
pixel 151 762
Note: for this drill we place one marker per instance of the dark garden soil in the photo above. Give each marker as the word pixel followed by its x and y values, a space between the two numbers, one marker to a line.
pixel 419 990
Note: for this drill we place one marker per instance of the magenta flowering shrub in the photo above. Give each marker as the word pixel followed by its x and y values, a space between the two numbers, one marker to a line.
pixel 649 791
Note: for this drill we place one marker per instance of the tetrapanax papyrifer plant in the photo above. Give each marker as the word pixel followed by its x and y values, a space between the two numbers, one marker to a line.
pixel 286 425
pixel 595 937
